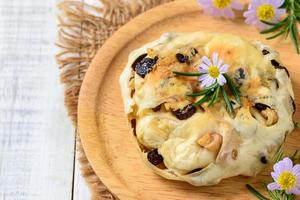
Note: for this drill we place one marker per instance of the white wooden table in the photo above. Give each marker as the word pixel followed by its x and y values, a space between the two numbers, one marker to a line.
pixel 37 157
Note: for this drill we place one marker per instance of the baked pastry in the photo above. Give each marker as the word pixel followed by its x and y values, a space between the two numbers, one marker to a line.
pixel 204 144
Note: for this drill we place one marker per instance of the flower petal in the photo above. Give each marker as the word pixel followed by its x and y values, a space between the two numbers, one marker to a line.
pixel 220 63
pixel 210 81
pixel 249 13
pixel 296 169
pixel 206 61
pixel 273 186
pixel 228 13
pixel 278 167
pixel 215 59
pixel 277 3
pixel 295 191
pixel 203 77
pixel 203 68
pixel 288 164
pixel 221 80
pixel 279 13
pixel 224 68
pixel 274 175
pixel 237 6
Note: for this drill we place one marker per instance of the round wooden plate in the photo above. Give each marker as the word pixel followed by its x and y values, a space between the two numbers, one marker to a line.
pixel 103 127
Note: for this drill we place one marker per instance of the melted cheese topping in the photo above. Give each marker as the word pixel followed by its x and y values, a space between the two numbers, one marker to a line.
pixel 245 137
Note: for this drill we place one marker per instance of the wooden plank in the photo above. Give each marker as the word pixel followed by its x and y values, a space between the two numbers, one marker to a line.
pixel 81 190
pixel 36 136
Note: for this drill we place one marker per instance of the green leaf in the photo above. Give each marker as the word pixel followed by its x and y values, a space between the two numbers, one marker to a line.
pixel 297 124
pixel 204 99
pixel 204 91
pixel 279 155
pixel 234 89
pixel 214 97
pixel 293 157
pixel 188 73
pixel 272 29
pixel 256 193
pixel 278 34
pixel 294 38
pixel 227 102
pixel 269 23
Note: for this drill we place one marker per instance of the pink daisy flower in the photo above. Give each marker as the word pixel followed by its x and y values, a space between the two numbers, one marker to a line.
pixel 220 8
pixel 212 71
pixel 264 10
pixel 286 177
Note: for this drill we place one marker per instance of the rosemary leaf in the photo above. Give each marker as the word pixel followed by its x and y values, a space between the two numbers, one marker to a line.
pixel 271 193
pixel 279 155
pixel 235 91
pixel 256 193
pixel 204 99
pixel 270 23
pixel 214 97
pixel 188 73
pixel 297 124
pixel 203 92
pixel 272 29
pixel 278 34
pixel 228 104
pixel 294 36
pixel 293 157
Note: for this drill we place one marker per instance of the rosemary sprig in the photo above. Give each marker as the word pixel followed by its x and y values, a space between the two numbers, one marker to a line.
pixel 211 93
pixel 288 26
pixel 256 193
pixel 235 90
pixel 228 103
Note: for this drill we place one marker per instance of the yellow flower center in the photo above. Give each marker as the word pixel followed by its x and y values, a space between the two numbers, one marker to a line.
pixel 214 72
pixel 265 12
pixel 287 180
pixel 221 4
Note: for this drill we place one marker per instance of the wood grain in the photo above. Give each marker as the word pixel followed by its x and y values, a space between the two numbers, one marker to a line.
pixel 105 134
pixel 36 137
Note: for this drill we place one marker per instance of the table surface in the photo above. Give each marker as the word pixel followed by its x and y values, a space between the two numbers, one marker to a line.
pixel 37 140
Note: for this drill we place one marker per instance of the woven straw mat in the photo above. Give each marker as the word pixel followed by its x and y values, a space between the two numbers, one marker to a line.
pixel 83 28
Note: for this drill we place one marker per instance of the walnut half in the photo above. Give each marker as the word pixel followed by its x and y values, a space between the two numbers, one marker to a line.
pixel 210 141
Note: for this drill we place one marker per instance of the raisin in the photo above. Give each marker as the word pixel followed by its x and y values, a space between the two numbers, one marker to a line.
pixel 185 112
pixel 232 102
pixel 138 60
pixel 261 106
pixel 265 52
pixel 239 76
pixel 154 157
pixel 275 63
pixel 264 160
pixel 294 105
pixel 157 108
pixel 278 66
pixel 182 58
pixel 133 126
pixel 145 66
pixel 242 73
